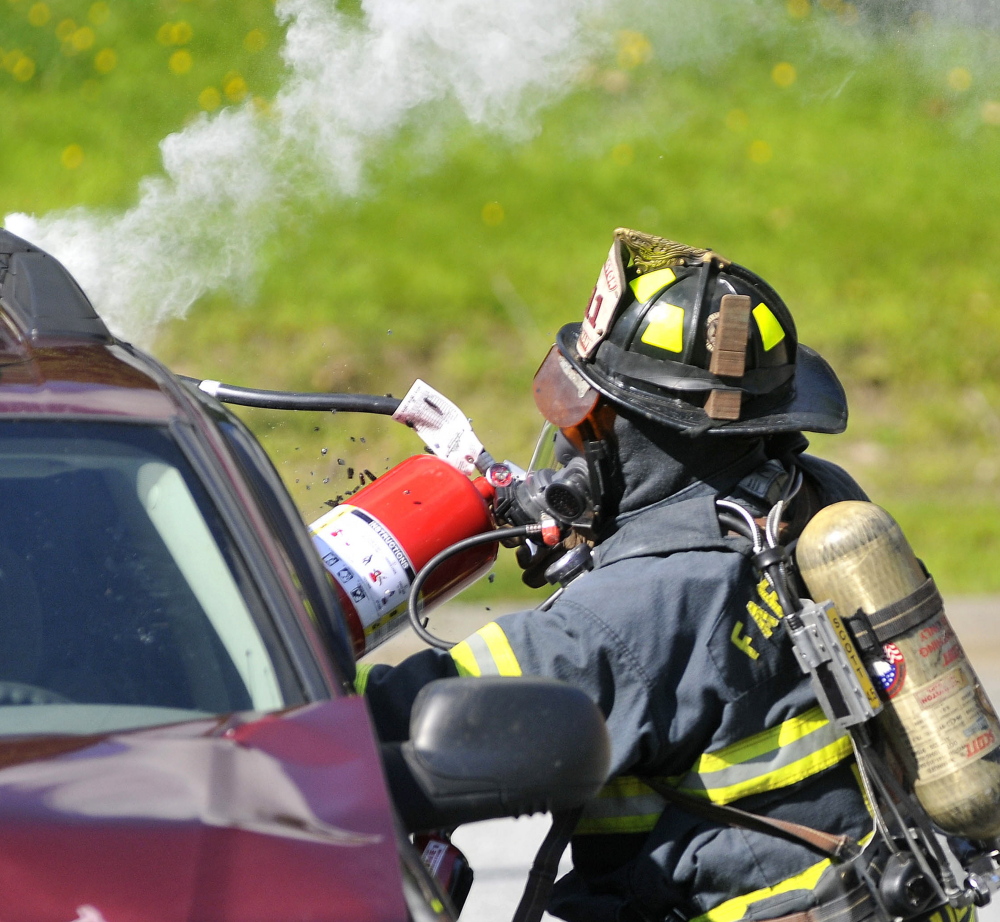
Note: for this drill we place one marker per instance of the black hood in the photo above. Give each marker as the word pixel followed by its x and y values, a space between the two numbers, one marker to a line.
pixel 657 462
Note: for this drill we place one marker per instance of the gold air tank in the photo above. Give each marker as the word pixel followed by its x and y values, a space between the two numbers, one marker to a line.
pixel 937 720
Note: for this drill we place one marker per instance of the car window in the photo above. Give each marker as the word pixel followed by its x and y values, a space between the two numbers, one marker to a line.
pixel 309 572
pixel 122 603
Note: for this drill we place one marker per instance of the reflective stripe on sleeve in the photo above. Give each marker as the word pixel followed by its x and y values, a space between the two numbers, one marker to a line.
pixel 624 804
pixel 767 761
pixel 361 673
pixel 487 652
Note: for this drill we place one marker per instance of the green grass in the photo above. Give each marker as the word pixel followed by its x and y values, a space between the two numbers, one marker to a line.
pixel 865 190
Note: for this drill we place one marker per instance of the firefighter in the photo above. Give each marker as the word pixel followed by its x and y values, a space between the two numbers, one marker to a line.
pixel 685 384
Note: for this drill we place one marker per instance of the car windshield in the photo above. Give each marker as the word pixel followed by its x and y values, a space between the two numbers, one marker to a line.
pixel 122 602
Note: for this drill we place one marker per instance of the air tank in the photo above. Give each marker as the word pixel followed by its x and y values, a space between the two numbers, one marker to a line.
pixel 937 721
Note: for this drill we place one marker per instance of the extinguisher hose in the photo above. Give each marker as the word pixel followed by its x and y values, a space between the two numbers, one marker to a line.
pixel 293 400
pixel 487 537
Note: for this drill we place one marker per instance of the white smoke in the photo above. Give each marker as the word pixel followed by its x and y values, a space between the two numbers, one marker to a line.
pixel 351 82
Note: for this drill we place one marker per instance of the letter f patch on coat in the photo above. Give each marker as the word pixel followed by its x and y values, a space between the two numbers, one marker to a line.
pixel 766 614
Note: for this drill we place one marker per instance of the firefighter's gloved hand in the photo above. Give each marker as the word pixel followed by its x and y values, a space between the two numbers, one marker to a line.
pixel 535 559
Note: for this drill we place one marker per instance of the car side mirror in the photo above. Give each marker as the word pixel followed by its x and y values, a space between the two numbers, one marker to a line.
pixel 482 748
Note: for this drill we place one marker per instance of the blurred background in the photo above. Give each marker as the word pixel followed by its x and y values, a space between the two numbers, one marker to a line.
pixel 342 196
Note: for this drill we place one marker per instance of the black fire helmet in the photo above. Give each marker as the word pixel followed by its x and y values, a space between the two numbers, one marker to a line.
pixel 686 338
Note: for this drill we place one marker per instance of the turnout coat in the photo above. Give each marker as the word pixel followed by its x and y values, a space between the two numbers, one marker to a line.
pixel 678 639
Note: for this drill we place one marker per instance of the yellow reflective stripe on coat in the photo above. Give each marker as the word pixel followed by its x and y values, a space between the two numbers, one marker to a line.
pixel 361 673
pixel 767 761
pixel 487 652
pixel 734 909
pixel 624 804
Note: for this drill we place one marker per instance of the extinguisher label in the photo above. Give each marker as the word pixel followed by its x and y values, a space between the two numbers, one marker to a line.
pixel 368 562
pixel 445 429
pixel 433 854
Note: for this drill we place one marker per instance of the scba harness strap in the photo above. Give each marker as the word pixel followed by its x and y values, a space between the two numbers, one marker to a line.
pixel 837 848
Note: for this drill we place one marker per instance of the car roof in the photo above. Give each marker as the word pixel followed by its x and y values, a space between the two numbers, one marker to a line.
pixel 56 354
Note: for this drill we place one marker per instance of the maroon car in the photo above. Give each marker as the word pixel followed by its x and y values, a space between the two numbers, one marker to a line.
pixel 179 734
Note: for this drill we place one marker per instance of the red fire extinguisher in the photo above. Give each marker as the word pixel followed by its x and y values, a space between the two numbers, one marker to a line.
pixel 374 546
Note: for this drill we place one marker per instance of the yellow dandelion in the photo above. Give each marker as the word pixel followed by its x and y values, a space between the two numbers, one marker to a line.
pixel 210 99
pixel 990 112
pixel 623 154
pixel 164 35
pixel 633 49
pixel 10 59
pixel 737 120
pixel 492 214
pixel 798 9
pixel 255 40
pixel 181 33
pixel 783 74
pixel 65 30
pixel 24 69
pixel 760 151
pixel 72 157
pixel 98 13
pixel 235 87
pixel 180 62
pixel 106 60
pixel 39 14
pixel 959 79
pixel 82 39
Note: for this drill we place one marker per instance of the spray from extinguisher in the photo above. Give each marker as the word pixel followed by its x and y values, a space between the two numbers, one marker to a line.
pixel 937 721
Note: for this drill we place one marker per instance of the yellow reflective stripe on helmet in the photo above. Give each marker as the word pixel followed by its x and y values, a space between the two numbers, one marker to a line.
pixel 361 673
pixel 767 761
pixel 771 332
pixel 736 908
pixel 487 652
pixel 665 328
pixel 645 286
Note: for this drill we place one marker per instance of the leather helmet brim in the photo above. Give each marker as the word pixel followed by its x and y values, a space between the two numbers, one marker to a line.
pixel 813 401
